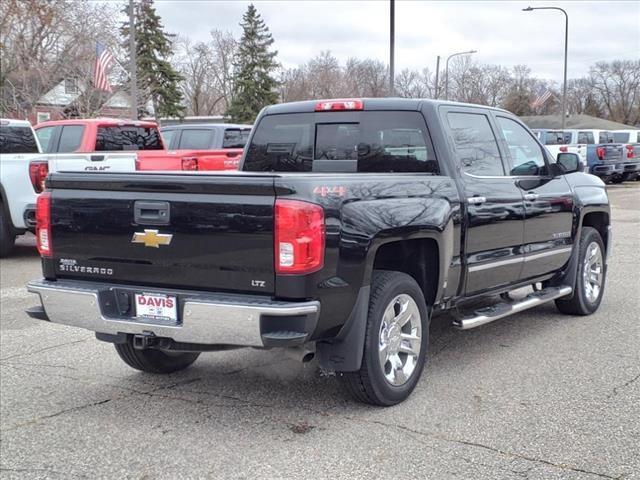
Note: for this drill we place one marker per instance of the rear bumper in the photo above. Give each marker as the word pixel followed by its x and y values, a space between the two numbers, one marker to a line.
pixel 607 169
pixel 203 318
pixel 630 167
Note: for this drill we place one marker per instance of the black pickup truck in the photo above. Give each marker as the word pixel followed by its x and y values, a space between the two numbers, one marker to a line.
pixel 350 224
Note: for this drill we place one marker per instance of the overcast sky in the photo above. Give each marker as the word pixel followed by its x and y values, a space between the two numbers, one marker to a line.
pixel 499 30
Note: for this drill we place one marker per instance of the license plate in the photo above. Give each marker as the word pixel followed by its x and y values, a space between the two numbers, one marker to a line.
pixel 156 307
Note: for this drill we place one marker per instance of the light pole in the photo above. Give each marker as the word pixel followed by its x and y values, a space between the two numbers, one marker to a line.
pixel 392 33
pixel 446 71
pixel 133 77
pixel 566 43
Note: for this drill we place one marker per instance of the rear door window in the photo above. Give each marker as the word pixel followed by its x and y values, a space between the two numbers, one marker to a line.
pixel 17 140
pixel 70 138
pixel 115 138
pixel 369 141
pixel 476 145
pixel 195 139
pixel 235 137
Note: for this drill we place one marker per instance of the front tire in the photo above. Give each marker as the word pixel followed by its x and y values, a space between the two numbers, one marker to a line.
pixel 7 237
pixel 590 278
pixel 154 361
pixel 396 341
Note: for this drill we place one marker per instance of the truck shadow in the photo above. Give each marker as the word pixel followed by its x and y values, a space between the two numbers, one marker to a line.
pixel 271 379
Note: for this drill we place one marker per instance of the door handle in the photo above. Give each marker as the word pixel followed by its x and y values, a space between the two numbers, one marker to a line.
pixel 531 196
pixel 476 200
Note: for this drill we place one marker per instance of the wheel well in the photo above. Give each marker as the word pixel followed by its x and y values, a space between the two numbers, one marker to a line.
pixel 599 221
pixel 418 258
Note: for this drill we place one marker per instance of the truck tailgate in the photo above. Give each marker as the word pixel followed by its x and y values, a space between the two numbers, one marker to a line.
pixel 92 162
pixel 184 231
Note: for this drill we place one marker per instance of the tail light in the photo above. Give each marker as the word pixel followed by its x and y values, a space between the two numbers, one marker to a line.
pixel 337 105
pixel 601 152
pixel 299 237
pixel 564 149
pixel 629 151
pixel 38 171
pixel 43 224
pixel 190 163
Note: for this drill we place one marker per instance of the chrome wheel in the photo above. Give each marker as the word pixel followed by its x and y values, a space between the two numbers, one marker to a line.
pixel 593 272
pixel 400 339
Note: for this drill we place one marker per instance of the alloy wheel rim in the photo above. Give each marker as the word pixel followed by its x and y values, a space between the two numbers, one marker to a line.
pixel 593 272
pixel 400 339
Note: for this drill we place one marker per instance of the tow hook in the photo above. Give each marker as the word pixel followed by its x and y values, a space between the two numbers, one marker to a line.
pixel 145 340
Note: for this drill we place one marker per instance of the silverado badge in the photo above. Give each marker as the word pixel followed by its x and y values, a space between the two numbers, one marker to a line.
pixel 152 238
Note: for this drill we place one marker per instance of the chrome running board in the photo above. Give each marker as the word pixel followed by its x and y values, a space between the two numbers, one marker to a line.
pixel 501 310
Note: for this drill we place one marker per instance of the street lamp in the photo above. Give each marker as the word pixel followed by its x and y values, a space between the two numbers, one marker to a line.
pixel 566 42
pixel 446 71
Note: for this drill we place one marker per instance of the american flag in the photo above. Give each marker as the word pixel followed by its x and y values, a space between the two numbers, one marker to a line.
pixel 104 59
pixel 542 98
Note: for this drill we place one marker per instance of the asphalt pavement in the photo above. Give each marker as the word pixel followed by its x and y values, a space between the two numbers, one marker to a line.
pixel 538 395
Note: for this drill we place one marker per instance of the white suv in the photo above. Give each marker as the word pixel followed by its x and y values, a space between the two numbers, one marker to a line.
pixel 18 174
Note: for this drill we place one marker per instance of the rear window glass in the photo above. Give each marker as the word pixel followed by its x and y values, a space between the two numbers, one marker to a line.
pixel 621 137
pixel 586 137
pixel 369 142
pixel 70 138
pixel 235 137
pixel 110 139
pixel 557 137
pixel 195 139
pixel 17 140
pixel 606 137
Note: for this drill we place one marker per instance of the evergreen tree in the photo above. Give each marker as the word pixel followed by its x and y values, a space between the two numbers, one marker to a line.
pixel 157 79
pixel 254 86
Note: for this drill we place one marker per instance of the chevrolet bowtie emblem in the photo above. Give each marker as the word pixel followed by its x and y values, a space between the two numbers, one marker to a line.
pixel 152 238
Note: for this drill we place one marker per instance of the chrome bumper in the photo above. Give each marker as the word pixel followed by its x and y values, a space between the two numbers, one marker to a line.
pixel 210 319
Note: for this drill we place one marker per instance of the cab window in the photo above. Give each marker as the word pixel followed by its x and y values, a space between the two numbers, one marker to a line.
pixel 70 138
pixel 476 145
pixel 527 158
pixel 45 134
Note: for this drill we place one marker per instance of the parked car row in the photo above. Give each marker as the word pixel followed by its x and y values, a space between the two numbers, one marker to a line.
pixel 613 156
pixel 29 154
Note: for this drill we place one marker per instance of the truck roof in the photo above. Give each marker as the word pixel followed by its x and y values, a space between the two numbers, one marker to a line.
pixel 203 126
pixel 12 122
pixel 394 103
pixel 97 121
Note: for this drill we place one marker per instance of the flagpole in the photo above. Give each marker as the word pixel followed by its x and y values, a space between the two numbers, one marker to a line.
pixel 133 67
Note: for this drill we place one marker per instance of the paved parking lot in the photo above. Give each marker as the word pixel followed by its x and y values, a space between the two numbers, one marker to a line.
pixel 538 395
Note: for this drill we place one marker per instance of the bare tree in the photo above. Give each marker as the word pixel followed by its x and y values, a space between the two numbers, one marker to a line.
pixel 208 73
pixel 618 85
pixel 43 42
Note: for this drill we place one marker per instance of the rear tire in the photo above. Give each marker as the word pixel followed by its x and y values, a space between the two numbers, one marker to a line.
pixel 590 278
pixel 155 361
pixel 617 179
pixel 397 323
pixel 7 237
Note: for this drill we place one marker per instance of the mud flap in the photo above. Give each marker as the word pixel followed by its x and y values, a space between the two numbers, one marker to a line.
pixel 344 353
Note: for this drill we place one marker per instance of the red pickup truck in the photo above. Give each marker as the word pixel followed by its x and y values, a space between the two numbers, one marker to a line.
pixel 114 135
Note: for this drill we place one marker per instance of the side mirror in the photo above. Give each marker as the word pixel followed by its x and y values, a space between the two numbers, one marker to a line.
pixel 569 163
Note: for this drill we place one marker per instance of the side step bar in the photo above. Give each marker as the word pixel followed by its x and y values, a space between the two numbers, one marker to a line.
pixel 501 310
